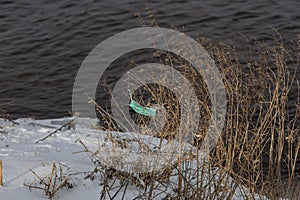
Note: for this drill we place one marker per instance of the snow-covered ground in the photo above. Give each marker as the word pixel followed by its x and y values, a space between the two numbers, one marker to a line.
pixel 22 155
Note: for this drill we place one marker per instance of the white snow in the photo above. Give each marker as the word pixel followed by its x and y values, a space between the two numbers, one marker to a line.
pixel 20 153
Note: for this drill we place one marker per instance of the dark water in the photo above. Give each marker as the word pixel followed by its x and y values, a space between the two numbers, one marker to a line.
pixel 44 42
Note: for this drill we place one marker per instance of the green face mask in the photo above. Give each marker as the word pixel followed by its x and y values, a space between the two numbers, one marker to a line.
pixel 141 109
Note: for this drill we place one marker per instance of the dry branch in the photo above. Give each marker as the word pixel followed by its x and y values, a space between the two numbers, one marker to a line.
pixel 1 182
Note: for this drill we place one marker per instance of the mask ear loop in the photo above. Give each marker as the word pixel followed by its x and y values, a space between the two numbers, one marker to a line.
pixel 130 94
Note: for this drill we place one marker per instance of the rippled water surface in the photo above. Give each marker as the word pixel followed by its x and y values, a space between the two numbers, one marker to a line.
pixel 44 42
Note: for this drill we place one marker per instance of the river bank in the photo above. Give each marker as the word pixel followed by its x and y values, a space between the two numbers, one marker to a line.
pixel 25 162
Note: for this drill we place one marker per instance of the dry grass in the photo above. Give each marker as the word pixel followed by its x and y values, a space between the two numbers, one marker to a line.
pixel 259 146
pixel 52 182
pixel 260 142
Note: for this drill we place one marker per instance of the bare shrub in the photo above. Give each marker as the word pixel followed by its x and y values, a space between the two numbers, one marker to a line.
pixel 260 141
